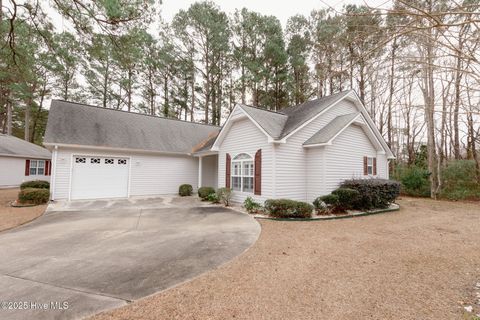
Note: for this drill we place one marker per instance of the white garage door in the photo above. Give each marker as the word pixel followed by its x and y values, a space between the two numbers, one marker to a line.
pixel 99 177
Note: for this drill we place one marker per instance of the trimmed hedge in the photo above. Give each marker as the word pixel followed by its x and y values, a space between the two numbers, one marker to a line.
pixel 373 193
pixel 35 184
pixel 347 198
pixel 331 200
pixel 35 196
pixel 204 192
pixel 285 208
pixel 185 190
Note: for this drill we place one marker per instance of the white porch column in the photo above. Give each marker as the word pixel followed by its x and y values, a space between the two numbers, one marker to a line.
pixel 200 171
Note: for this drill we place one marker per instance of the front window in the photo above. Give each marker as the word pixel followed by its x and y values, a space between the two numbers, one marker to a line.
pixel 37 167
pixel 242 173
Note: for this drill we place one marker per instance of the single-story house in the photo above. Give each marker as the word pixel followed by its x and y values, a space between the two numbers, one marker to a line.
pixel 299 153
pixel 22 161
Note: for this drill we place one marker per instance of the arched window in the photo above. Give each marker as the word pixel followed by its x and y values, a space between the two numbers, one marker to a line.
pixel 242 173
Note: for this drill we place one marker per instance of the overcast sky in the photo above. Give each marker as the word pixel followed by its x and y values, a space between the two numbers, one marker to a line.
pixel 281 9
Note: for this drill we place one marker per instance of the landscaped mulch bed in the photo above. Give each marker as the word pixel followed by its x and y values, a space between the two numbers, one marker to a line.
pixel 419 263
pixel 11 217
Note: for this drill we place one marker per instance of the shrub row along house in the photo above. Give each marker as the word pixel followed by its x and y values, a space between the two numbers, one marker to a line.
pixel 22 161
pixel 299 153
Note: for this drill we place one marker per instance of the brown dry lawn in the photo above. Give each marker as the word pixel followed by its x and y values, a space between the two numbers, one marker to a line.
pixel 11 217
pixel 418 263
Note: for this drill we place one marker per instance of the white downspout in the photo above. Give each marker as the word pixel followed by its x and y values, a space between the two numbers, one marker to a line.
pixel 200 165
pixel 54 175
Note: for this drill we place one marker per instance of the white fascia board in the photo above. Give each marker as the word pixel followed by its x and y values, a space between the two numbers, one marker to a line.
pixel 77 146
pixel 269 137
pixel 371 125
pixel 24 156
pixel 317 145
pixel 303 125
pixel 223 130
pixel 228 124
pixel 330 142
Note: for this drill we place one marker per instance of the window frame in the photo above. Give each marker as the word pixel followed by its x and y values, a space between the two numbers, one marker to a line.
pixel 37 167
pixel 370 162
pixel 246 170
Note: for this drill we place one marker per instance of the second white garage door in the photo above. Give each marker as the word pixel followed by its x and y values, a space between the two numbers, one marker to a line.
pixel 99 177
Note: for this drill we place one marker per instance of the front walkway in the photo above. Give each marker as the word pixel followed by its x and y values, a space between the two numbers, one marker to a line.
pixel 88 256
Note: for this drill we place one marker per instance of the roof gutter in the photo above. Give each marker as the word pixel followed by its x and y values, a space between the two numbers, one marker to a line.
pixel 79 146
pixel 24 156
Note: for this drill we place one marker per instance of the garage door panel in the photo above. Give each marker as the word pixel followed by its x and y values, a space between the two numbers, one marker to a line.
pixel 99 177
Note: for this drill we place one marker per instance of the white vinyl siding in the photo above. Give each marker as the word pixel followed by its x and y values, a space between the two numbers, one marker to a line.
pixel 149 174
pixel 291 158
pixel 344 159
pixel 245 137
pixel 12 172
pixel 330 165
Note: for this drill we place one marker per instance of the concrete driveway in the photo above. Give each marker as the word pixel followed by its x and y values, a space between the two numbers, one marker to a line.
pixel 84 257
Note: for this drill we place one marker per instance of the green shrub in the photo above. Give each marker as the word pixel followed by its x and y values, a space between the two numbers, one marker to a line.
pixel 185 190
pixel 251 205
pixel 35 184
pixel 285 208
pixel 331 200
pixel 459 180
pixel 213 198
pixel 34 196
pixel 224 196
pixel 204 192
pixel 373 193
pixel 415 180
pixel 320 206
pixel 347 198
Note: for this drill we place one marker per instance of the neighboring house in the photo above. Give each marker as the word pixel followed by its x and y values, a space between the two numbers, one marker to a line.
pixel 22 161
pixel 299 153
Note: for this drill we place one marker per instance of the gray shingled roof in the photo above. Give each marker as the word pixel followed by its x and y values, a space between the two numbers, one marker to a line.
pixel 330 130
pixel 206 144
pixel 79 124
pixel 14 147
pixel 299 114
pixel 272 122
pixel 280 124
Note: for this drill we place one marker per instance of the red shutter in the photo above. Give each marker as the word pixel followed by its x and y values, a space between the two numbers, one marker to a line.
pixel 227 171
pixel 47 168
pixel 258 173
pixel 374 166
pixel 50 168
pixel 27 167
pixel 365 166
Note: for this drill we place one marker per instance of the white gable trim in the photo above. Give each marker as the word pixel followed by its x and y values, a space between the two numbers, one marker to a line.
pixel 306 123
pixel 330 142
pixel 226 127
pixel 372 128
pixel 78 146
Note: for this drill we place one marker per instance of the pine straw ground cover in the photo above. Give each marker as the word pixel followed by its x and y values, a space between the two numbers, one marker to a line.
pixel 11 217
pixel 421 262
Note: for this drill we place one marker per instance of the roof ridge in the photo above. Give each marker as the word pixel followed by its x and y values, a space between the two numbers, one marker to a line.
pixel 136 113
pixel 320 98
pixel 259 108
